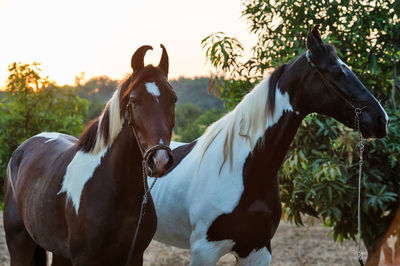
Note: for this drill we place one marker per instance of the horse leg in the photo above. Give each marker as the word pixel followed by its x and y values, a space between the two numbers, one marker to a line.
pixel 39 257
pixel 60 261
pixel 23 250
pixel 256 257
pixel 203 252
pixel 137 260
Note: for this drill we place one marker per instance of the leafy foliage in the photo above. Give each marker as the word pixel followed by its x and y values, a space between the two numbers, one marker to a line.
pixel 323 181
pixel 33 104
pixel 319 174
pixel 365 35
pixel 191 121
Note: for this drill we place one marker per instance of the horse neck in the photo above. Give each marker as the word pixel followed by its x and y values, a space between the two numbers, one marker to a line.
pixel 260 170
pixel 265 160
pixel 270 151
pixel 125 159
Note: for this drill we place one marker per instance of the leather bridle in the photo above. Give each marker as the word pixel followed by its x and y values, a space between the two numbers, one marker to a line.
pixel 330 86
pixel 145 153
pixel 145 157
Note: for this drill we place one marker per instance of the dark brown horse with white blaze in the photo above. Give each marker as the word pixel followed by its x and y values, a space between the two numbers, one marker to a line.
pixel 222 194
pixel 81 198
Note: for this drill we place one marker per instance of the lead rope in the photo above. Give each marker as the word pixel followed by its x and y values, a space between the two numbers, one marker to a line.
pixel 142 210
pixel 360 165
pixel 360 143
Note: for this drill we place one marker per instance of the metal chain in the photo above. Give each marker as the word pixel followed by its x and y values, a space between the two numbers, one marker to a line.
pixel 142 210
pixel 358 112
pixel 360 166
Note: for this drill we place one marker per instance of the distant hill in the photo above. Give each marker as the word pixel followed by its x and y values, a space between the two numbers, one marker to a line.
pixel 98 90
pixel 195 91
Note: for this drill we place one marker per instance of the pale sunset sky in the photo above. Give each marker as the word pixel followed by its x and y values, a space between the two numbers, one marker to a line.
pixel 99 37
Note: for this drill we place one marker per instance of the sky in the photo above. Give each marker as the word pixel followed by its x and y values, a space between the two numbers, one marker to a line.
pixel 99 37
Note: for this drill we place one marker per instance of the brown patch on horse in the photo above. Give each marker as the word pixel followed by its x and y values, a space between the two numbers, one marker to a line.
pixel 180 153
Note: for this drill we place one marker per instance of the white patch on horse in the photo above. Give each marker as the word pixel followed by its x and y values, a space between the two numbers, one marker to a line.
pixel 152 88
pixel 386 115
pixel 282 104
pixel 341 62
pixel 175 144
pixel 78 172
pixel 10 177
pixel 49 135
pixel 257 257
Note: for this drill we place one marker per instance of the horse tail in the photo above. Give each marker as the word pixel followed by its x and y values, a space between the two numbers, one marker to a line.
pixel 12 168
pixel 39 257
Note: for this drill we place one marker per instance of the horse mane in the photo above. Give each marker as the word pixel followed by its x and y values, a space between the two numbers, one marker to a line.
pixel 102 131
pixel 247 120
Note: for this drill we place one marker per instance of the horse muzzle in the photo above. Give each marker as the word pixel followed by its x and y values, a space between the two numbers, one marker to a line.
pixel 374 125
pixel 158 161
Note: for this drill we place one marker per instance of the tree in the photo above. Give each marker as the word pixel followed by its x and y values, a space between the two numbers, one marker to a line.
pixel 34 104
pixel 320 174
pixel 191 121
pixel 195 129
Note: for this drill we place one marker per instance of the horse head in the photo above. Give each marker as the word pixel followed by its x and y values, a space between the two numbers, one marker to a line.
pixel 149 102
pixel 331 88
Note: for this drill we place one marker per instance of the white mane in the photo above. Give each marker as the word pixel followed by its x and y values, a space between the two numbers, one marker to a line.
pixel 115 123
pixel 247 121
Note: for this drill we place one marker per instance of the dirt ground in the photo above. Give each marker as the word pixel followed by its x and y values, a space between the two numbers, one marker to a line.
pixel 291 245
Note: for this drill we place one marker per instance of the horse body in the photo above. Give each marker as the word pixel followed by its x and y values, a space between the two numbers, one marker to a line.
pixel 81 198
pixel 31 156
pixel 223 193
pixel 55 225
pixel 231 210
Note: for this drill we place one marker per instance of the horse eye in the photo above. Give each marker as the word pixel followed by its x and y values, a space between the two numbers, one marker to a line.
pixel 135 103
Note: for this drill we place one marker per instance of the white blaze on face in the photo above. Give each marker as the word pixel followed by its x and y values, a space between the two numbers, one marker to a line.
pixel 78 172
pixel 341 62
pixel 386 115
pixel 152 88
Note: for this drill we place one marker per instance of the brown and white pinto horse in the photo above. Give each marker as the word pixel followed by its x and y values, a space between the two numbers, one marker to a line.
pixel 81 198
pixel 222 196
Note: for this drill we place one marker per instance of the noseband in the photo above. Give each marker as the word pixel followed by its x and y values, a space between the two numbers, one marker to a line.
pixel 145 153
pixel 357 112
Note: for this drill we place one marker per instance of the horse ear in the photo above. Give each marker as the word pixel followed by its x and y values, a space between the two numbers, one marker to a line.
pixel 137 61
pixel 164 61
pixel 314 39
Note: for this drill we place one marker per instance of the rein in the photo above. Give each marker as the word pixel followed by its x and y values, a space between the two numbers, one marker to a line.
pixel 145 157
pixel 357 112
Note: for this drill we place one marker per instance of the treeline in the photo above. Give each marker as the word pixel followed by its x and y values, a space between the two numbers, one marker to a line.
pixel 196 108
